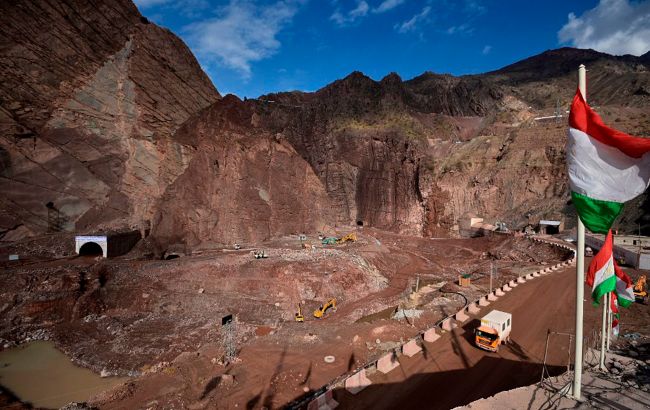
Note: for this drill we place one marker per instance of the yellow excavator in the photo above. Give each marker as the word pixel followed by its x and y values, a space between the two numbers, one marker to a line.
pixel 299 317
pixel 352 237
pixel 323 308
pixel 641 290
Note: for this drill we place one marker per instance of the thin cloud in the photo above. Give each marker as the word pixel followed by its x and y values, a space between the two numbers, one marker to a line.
pixel 412 23
pixel 345 19
pixel 613 26
pixel 486 50
pixel 387 5
pixel 461 29
pixel 241 34
pixel 145 4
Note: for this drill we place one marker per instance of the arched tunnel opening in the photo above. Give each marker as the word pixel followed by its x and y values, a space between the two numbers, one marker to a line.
pixel 359 223
pixel 171 256
pixel 91 249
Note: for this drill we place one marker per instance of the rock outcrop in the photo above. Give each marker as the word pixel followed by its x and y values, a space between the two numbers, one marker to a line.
pixel 90 97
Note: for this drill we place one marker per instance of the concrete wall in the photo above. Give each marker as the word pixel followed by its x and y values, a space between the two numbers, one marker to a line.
pixel 102 241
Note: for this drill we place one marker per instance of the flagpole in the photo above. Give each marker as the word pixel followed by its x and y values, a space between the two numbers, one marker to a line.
pixel 609 320
pixel 580 271
pixel 603 330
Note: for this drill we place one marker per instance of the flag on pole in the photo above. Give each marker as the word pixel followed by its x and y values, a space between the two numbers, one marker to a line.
pixel 624 287
pixel 606 167
pixel 600 274
pixel 615 314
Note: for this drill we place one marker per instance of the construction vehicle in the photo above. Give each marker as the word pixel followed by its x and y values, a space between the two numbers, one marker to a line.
pixel 494 330
pixel 352 237
pixel 320 312
pixel 641 290
pixel 298 316
pixel 260 254
pixel 330 240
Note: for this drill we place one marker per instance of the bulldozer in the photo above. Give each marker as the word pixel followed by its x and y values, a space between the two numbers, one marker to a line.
pixel 298 316
pixel 320 312
pixel 641 290
pixel 352 237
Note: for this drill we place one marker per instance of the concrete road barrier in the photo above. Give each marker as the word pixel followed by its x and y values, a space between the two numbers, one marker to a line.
pixel 499 292
pixel 323 402
pixel 387 362
pixel 461 316
pixel 431 335
pixel 506 288
pixel 530 276
pixel 411 348
pixel 483 301
pixel 512 284
pixel 448 324
pixel 521 280
pixel 491 297
pixel 357 382
pixel 473 309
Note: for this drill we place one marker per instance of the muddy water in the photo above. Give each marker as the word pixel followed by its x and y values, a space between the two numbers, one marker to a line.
pixel 40 374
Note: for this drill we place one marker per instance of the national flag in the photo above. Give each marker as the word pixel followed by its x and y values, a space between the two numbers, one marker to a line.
pixel 606 167
pixel 624 287
pixel 615 315
pixel 600 274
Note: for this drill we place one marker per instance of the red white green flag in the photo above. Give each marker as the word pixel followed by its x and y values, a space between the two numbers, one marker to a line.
pixel 615 315
pixel 600 274
pixel 606 167
pixel 624 287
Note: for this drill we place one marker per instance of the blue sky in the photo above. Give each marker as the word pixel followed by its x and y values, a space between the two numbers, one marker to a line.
pixel 251 47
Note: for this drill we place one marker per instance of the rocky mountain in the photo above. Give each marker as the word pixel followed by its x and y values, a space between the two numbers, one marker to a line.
pixel 91 95
pixel 419 156
pixel 110 119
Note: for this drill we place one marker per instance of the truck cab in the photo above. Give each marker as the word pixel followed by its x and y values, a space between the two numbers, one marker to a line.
pixel 493 331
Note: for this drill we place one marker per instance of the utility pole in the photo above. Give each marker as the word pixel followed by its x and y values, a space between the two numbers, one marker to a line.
pixel 580 272
pixel 491 269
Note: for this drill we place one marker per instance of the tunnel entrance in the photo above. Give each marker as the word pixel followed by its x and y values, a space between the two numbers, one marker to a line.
pixel 359 223
pixel 91 249
pixel 172 256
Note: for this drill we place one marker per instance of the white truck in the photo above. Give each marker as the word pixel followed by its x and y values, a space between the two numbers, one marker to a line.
pixel 494 329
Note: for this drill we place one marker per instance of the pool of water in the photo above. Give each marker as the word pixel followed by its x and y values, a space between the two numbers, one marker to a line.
pixel 42 375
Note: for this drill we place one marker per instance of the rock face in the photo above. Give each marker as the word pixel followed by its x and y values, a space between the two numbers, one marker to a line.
pixel 91 95
pixel 110 121
pixel 244 183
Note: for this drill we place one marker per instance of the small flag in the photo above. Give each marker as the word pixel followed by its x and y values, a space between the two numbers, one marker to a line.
pixel 615 315
pixel 606 167
pixel 600 275
pixel 624 287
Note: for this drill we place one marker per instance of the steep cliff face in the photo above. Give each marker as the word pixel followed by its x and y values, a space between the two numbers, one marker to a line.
pixel 110 120
pixel 413 157
pixel 90 98
pixel 244 183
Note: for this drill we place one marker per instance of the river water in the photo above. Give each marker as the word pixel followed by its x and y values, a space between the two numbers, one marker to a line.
pixel 42 375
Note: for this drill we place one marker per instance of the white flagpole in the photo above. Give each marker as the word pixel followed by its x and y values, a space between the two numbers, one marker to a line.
pixel 609 320
pixel 603 331
pixel 580 271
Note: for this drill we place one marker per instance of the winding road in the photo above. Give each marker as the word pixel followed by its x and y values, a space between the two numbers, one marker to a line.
pixel 453 372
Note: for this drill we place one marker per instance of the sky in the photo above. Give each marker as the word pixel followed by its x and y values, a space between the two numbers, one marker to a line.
pixel 255 47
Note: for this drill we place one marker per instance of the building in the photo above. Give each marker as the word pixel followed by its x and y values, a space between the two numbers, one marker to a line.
pixel 635 250
pixel 106 245
pixel 549 227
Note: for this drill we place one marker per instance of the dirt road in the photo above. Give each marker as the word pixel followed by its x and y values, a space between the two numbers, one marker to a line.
pixel 453 372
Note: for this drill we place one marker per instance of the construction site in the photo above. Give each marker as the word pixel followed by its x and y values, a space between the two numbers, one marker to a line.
pixel 360 242
pixel 280 323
